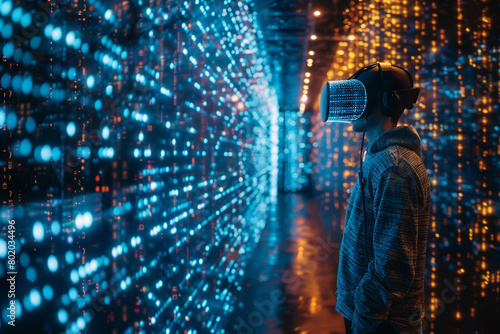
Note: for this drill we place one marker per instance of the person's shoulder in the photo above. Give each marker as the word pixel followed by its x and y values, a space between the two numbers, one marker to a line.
pixel 383 160
pixel 402 161
pixel 398 156
pixel 391 162
pixel 403 169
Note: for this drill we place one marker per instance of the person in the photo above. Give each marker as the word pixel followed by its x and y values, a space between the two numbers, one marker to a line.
pixel 380 283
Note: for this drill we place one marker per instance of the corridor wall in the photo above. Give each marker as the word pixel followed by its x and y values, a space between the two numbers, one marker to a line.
pixel 139 162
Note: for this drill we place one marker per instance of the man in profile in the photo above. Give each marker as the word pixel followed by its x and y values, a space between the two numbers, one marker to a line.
pixel 380 284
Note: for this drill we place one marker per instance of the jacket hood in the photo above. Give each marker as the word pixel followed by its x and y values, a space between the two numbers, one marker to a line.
pixel 403 135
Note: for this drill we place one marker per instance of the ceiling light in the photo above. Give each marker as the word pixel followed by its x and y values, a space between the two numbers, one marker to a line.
pixel 317 13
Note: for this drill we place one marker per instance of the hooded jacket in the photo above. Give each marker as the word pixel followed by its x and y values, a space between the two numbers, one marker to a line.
pixel 389 285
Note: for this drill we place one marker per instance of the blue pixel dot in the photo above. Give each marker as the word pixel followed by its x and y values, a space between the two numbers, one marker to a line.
pixel 62 316
pixel 31 274
pixel 8 50
pixel 56 34
pixel 90 81
pixel 71 129
pixel 52 263
pixel 38 231
pixel 6 8
pixel 35 298
pixel 30 124
pixel 47 292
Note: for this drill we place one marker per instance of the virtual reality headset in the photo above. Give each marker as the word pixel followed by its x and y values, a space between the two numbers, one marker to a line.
pixel 345 101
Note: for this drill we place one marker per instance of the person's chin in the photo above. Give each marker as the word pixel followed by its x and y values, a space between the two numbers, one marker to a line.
pixel 357 125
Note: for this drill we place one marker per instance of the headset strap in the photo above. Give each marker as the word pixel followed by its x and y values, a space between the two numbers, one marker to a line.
pixel 358 72
pixel 406 95
pixel 386 74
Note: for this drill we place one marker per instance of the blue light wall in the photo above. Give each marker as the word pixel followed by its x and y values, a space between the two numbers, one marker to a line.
pixel 139 162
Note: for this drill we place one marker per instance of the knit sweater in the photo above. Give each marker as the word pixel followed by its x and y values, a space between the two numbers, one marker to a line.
pixel 390 284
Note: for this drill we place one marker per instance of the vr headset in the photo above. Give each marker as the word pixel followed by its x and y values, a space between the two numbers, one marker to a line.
pixel 345 101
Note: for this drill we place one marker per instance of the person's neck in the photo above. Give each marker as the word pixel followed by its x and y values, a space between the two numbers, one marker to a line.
pixel 376 131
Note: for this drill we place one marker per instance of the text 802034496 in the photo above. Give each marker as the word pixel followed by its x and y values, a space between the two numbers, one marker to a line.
pixel 11 274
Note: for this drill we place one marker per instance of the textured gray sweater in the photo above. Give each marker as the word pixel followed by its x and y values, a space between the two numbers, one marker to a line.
pixel 397 196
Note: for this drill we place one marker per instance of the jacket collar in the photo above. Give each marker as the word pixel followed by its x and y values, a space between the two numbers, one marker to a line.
pixel 403 135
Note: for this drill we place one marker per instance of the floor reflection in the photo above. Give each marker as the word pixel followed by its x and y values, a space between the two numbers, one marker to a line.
pixel 290 285
pixel 291 282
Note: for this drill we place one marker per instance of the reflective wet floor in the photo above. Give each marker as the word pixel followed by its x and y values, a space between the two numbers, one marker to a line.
pixel 291 280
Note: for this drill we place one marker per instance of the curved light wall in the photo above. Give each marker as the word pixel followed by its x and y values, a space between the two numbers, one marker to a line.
pixel 140 164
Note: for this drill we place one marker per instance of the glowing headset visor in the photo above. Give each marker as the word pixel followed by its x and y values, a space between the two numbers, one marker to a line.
pixel 343 101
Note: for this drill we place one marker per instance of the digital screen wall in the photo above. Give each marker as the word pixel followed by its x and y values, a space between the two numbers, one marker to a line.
pixel 294 168
pixel 139 162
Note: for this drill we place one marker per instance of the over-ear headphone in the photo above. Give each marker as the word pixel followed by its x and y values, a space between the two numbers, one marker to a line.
pixel 390 98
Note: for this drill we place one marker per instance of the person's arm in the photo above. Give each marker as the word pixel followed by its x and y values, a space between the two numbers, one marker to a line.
pixel 392 270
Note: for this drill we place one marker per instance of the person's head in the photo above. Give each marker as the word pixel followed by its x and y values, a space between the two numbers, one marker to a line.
pixel 378 80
